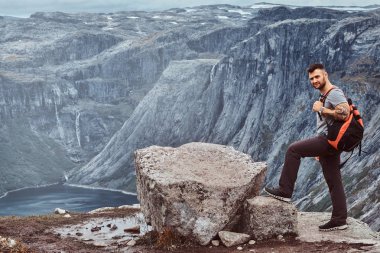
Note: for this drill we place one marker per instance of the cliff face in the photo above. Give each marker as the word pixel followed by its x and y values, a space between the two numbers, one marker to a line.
pixel 99 86
pixel 72 80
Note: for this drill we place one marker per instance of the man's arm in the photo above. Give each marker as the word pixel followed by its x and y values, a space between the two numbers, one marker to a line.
pixel 340 112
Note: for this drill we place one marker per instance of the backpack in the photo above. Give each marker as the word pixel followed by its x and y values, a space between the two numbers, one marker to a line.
pixel 345 135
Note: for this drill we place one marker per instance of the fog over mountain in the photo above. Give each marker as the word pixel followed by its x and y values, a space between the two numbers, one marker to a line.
pixel 80 92
pixel 22 8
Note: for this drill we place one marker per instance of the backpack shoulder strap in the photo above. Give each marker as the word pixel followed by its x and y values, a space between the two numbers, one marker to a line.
pixel 323 97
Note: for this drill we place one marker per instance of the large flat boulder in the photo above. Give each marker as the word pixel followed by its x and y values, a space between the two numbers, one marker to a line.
pixel 357 232
pixel 196 188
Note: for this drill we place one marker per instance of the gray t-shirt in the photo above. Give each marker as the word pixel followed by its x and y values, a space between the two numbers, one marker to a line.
pixel 334 98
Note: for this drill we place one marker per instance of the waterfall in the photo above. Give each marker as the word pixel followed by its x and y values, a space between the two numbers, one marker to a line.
pixel 77 127
pixel 212 73
pixel 59 123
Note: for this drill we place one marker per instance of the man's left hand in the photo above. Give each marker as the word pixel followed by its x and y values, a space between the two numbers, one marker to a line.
pixel 317 106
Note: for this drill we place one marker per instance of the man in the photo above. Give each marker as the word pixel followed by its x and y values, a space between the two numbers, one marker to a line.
pixel 335 107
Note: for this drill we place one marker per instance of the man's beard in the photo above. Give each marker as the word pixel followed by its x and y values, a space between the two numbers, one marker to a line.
pixel 322 84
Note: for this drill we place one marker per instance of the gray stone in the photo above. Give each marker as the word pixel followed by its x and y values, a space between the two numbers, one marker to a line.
pixel 266 217
pixel 215 243
pixel 59 211
pixel 196 188
pixel 230 239
pixel 100 244
pixel 131 243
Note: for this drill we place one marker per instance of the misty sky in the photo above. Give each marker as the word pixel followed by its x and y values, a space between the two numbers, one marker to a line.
pixel 23 8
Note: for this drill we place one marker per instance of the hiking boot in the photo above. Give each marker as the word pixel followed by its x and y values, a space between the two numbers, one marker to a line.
pixel 277 194
pixel 333 225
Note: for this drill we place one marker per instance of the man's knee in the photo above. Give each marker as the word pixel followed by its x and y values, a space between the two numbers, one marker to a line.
pixel 292 149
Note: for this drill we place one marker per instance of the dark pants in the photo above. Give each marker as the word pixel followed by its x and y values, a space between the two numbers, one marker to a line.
pixel 329 159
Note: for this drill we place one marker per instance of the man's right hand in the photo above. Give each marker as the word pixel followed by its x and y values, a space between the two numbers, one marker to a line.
pixel 317 106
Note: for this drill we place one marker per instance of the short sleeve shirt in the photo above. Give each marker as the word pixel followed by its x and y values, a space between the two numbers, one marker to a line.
pixel 334 98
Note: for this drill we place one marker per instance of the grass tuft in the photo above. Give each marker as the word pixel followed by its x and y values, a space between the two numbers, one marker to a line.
pixel 167 240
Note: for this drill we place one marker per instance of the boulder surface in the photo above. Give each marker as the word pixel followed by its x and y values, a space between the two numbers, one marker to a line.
pixel 357 232
pixel 195 189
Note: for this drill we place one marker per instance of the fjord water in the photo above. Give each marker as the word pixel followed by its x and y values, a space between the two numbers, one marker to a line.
pixel 43 200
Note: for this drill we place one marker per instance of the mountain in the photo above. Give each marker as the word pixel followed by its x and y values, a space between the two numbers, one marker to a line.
pixel 92 88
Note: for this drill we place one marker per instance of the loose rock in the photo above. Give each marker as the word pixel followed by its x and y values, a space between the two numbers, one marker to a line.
pixel 11 243
pixel 131 243
pixel 94 229
pixel 230 239
pixel 100 244
pixel 7 242
pixel 281 238
pixel 60 211
pixel 134 229
pixel 215 243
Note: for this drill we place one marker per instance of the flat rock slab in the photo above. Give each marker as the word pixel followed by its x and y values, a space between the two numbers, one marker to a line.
pixel 357 231
pixel 196 188
pixel 266 217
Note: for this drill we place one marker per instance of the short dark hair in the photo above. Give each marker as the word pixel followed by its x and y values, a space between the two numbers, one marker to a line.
pixel 315 66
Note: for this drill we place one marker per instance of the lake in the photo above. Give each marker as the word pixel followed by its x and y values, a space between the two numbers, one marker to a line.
pixel 43 200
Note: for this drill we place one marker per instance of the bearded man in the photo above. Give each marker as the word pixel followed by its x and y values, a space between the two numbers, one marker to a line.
pixel 334 107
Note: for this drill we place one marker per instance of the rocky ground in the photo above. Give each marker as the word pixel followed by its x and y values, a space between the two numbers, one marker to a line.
pixel 44 234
